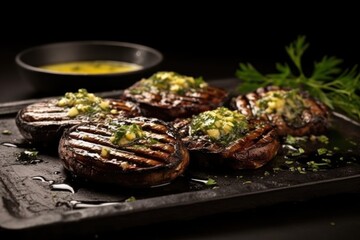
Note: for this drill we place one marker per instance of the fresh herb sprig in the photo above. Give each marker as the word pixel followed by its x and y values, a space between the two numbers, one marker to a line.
pixel 337 88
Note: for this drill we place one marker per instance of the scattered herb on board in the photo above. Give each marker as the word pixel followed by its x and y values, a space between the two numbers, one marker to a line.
pixel 130 199
pixel 335 87
pixel 28 157
pixel 210 182
pixel 6 132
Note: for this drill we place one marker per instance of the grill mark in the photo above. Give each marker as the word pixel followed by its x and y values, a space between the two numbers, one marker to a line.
pixel 44 109
pixel 159 128
pixel 145 150
pixel 165 149
pixel 260 133
pixel 253 137
pixel 45 116
pixel 256 138
pixel 96 130
pixel 319 106
pixel 57 123
pixel 114 153
pixel 160 135
pixel 161 138
pixel 168 148
pixel 84 156
pixel 126 107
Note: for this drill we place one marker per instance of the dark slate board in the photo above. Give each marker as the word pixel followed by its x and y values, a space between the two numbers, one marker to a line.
pixel 31 205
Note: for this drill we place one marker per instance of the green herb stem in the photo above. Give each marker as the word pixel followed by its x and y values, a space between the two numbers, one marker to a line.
pixel 338 89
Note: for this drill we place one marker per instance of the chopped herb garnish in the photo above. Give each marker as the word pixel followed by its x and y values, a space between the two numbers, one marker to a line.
pixel 83 102
pixel 289 104
pixel 125 134
pixel 220 125
pixel 169 81
pixel 28 157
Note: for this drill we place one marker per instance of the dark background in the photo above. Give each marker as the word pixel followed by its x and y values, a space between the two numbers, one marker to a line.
pixel 209 41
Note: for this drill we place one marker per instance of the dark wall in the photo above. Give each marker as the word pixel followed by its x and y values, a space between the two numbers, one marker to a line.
pixel 199 42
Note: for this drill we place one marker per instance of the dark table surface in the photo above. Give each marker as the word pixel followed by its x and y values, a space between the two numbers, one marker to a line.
pixel 328 217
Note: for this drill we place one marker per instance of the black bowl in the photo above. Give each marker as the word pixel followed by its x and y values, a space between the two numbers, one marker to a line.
pixel 31 59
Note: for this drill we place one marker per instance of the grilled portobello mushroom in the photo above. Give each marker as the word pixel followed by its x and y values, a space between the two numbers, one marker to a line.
pixel 222 137
pixel 292 112
pixel 133 152
pixel 45 121
pixel 169 95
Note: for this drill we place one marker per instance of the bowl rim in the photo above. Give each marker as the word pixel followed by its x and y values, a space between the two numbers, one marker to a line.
pixel 19 61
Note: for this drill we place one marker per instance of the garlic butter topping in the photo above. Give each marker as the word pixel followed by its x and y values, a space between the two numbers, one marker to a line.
pixel 220 125
pixel 289 104
pixel 126 134
pixel 171 82
pixel 82 102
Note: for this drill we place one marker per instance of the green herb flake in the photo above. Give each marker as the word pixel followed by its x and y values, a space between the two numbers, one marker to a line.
pixel 301 170
pixel 291 140
pixel 6 132
pixel 326 160
pixel 276 169
pixel 352 142
pixel 210 182
pixel 288 162
pixel 299 152
pixel 130 199
pixel 247 182
pixel 31 153
pixel 322 151
pixel 323 139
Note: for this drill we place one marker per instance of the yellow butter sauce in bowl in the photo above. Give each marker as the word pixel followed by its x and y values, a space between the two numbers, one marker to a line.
pixel 97 66
pixel 91 67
